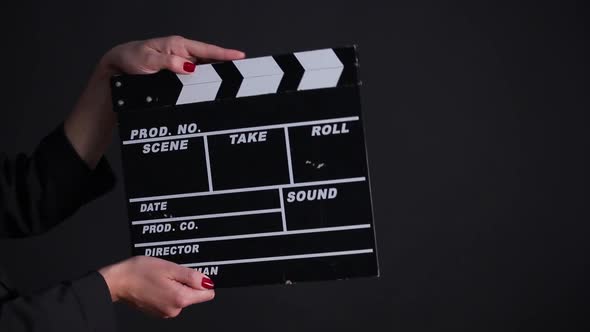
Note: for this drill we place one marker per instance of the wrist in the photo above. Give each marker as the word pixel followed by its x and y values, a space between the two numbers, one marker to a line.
pixel 105 68
pixel 107 65
pixel 115 280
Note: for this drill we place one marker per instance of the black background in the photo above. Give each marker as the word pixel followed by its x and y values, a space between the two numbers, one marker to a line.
pixel 475 117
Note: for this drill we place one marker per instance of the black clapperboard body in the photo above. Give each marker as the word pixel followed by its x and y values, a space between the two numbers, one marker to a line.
pixel 251 171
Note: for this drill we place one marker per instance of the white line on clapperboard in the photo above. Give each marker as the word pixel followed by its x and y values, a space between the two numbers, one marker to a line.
pixel 206 216
pixel 282 258
pixel 254 235
pixel 283 210
pixel 208 162
pixel 248 189
pixel 288 149
pixel 238 130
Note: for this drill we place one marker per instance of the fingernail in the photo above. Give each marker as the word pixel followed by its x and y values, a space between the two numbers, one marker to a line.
pixel 189 66
pixel 207 283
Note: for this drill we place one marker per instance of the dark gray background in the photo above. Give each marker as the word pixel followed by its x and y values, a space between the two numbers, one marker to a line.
pixel 476 137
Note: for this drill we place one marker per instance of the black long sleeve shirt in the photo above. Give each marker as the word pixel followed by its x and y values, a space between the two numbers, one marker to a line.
pixel 36 193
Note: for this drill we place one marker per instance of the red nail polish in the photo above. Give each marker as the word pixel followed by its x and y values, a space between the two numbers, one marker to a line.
pixel 207 283
pixel 189 66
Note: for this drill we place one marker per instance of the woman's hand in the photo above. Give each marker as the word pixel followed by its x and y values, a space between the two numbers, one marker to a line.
pixel 153 285
pixel 156 286
pixel 89 127
pixel 175 53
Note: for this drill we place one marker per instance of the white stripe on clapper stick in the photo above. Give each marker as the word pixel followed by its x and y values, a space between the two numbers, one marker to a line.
pixel 202 85
pixel 322 69
pixel 260 76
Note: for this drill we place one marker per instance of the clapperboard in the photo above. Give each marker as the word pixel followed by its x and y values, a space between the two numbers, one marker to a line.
pixel 252 171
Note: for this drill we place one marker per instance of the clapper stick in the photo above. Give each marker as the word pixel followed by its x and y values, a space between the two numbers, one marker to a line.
pixel 252 171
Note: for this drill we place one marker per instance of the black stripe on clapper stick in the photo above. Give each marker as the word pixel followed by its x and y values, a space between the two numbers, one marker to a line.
pixel 231 79
pixel 348 57
pixel 292 72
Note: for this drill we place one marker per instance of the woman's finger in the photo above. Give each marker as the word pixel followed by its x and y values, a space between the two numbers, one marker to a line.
pixel 157 61
pixel 192 278
pixel 211 52
pixel 192 296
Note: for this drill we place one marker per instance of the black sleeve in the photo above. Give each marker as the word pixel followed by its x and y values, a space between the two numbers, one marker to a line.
pixel 82 305
pixel 39 191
